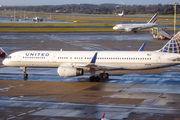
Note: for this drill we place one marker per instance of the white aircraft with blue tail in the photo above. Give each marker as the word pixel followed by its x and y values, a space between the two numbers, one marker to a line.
pixel 135 27
pixel 75 63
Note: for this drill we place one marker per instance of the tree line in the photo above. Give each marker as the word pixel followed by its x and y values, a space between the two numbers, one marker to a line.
pixel 98 9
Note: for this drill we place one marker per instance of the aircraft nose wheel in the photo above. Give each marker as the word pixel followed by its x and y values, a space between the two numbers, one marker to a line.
pixel 25 75
pixel 24 72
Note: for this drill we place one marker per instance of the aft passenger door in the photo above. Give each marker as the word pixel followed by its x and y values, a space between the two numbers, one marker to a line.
pixel 158 59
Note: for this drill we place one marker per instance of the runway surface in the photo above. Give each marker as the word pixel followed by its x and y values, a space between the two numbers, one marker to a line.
pixel 151 94
pixel 168 76
pixel 164 26
pixel 82 100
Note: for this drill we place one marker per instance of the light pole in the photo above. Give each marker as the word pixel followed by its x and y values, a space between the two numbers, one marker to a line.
pixel 174 17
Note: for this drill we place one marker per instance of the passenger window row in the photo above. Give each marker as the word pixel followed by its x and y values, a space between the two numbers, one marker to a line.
pixel 107 58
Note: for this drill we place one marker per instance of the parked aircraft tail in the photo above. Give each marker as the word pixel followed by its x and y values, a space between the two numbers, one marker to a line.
pixel 3 53
pixel 153 19
pixel 103 117
pixel 173 46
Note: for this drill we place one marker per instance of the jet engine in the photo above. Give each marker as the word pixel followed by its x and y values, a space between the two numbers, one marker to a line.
pixel 128 29
pixel 64 71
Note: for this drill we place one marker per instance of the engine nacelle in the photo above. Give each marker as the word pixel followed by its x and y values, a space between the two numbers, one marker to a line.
pixel 128 29
pixel 64 71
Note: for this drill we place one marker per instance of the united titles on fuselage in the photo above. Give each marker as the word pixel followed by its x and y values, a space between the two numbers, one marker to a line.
pixel 37 54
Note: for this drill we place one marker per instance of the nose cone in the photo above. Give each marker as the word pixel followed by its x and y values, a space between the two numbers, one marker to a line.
pixel 4 62
pixel 115 28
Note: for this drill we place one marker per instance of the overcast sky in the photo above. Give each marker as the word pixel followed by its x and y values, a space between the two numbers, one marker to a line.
pixel 61 2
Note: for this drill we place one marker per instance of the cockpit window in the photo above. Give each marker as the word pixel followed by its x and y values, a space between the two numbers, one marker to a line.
pixel 9 57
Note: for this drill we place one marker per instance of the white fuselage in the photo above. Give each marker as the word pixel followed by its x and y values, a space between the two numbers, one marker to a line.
pixel 36 18
pixel 121 14
pixel 132 27
pixel 107 59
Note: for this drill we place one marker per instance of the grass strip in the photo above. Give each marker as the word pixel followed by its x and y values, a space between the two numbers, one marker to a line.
pixel 57 24
pixel 64 29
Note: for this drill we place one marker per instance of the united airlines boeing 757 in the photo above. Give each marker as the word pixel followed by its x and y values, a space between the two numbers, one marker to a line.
pixel 74 63
pixel 135 27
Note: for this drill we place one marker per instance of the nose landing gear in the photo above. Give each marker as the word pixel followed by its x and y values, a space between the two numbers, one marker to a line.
pixel 24 71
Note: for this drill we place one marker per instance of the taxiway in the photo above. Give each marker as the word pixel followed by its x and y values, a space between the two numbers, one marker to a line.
pixel 151 94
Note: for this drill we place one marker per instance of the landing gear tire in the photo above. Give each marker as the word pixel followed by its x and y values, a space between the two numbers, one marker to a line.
pixel 104 75
pixel 24 72
pixel 94 79
pixel 25 75
pixel 135 31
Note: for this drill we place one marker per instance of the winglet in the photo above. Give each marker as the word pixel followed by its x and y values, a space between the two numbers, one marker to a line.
pixel 94 58
pixel 142 47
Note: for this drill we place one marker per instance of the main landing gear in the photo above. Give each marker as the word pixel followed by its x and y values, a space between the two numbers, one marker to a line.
pixel 24 71
pixel 101 76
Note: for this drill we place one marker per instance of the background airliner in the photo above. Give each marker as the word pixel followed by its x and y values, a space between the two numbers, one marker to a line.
pixel 135 27
pixel 75 63
pixel 121 14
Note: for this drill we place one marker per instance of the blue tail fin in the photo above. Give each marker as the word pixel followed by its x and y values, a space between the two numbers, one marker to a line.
pixel 173 46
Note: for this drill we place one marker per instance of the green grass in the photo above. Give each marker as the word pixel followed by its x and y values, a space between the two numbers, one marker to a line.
pixel 80 21
pixel 64 29
pixel 54 29
pixel 57 24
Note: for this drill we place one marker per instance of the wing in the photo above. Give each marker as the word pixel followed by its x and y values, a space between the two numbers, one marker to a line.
pixel 92 64
pixel 129 29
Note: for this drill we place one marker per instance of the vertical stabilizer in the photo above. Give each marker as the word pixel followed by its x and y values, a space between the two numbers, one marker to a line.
pixel 173 46
pixel 103 117
pixel 153 19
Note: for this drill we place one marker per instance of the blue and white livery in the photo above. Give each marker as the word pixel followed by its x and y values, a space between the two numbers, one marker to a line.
pixel 135 27
pixel 75 63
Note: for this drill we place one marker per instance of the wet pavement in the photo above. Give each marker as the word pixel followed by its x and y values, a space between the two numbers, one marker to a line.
pixel 45 95
pixel 50 100
pixel 79 36
pixel 72 41
pixel 168 77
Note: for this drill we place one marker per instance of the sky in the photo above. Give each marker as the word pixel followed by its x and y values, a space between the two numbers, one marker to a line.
pixel 62 2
